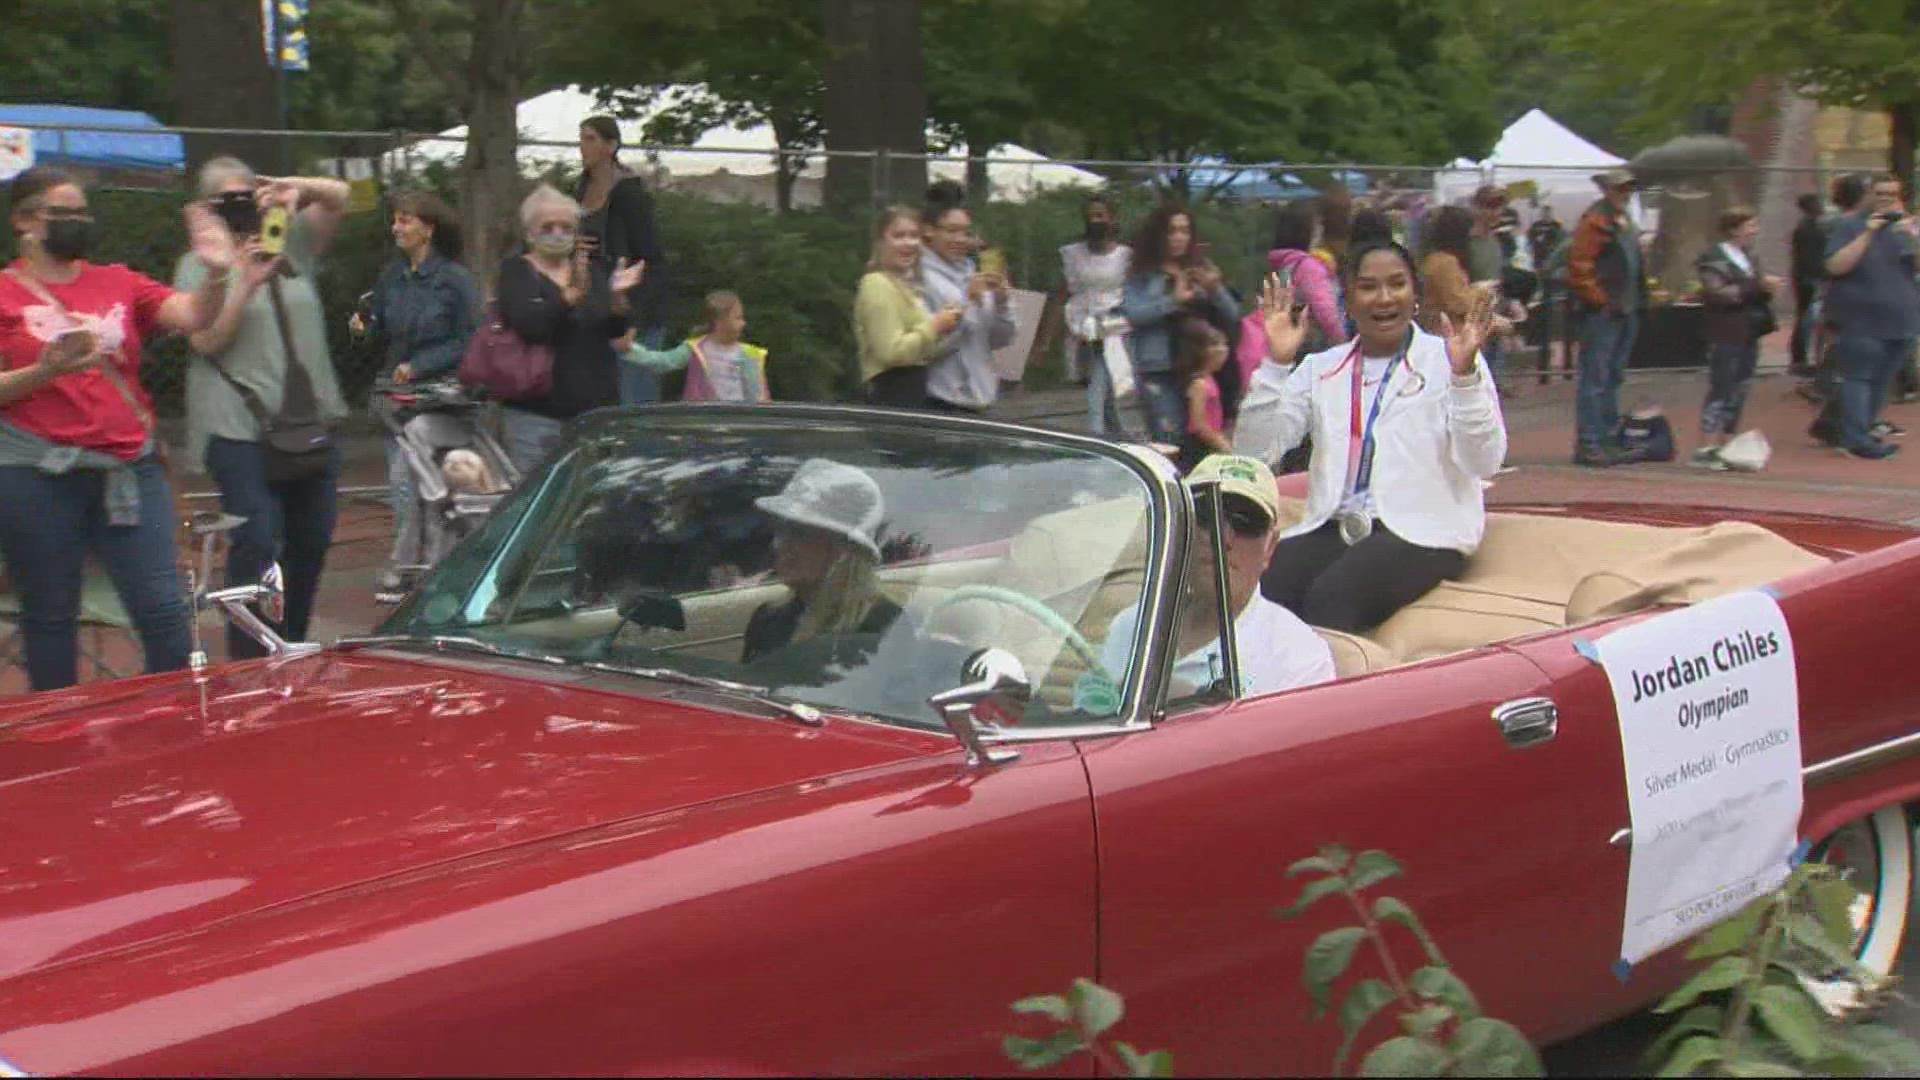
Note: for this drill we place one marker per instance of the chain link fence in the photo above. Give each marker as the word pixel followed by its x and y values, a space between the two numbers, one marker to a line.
pixel 722 226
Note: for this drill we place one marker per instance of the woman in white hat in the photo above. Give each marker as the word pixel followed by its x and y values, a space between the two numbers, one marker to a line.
pixel 824 553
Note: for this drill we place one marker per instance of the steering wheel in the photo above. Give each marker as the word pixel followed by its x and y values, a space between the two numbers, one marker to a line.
pixel 1035 610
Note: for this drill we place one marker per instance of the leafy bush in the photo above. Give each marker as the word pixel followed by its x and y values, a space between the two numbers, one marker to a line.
pixel 1446 1034
pixel 1750 1013
pixel 1084 1014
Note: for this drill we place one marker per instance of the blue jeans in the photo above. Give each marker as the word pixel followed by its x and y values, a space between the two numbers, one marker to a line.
pixel 1867 367
pixel 1163 405
pixel 1606 341
pixel 1729 376
pixel 50 525
pixel 291 522
pixel 638 386
pixel 1103 413
pixel 405 501
pixel 529 438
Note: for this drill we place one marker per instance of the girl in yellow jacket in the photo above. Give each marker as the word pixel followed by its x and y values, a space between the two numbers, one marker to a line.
pixel 720 366
pixel 896 333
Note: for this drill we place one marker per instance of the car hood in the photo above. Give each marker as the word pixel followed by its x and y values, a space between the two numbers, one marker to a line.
pixel 156 806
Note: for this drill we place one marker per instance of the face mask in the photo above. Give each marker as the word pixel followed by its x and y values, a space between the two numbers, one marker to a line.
pixel 1098 231
pixel 69 238
pixel 555 244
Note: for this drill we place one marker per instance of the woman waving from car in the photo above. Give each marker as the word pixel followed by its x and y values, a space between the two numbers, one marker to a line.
pixel 1405 424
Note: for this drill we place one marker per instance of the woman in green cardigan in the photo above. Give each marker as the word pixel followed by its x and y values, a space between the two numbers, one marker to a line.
pixel 896 333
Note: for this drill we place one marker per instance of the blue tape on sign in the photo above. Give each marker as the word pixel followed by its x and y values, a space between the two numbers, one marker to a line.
pixel 1799 855
pixel 1622 969
pixel 1585 648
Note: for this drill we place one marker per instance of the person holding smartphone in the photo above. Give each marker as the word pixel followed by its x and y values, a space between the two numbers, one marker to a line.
pixel 1169 278
pixel 264 365
pixel 1874 305
pixel 81 472
pixel 960 376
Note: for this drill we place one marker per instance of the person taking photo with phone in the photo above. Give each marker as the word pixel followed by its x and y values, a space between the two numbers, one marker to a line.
pixel 1873 303
pixel 1170 278
pixel 421 314
pixel 960 377
pixel 262 394
pixel 81 471
pixel 559 296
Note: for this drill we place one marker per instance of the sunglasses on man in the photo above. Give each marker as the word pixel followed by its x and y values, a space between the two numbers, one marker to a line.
pixel 1245 519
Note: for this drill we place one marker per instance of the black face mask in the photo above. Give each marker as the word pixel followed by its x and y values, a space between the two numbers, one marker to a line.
pixel 69 238
pixel 1099 231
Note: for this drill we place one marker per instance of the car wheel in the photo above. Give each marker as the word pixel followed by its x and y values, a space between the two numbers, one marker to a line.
pixel 1876 854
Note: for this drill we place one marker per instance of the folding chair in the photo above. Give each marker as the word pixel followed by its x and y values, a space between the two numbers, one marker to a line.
pixel 101 618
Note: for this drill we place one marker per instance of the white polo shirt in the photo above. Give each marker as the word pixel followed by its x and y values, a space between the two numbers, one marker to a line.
pixel 1277 652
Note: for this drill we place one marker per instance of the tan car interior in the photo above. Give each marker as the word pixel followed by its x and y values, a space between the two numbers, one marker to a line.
pixel 1532 573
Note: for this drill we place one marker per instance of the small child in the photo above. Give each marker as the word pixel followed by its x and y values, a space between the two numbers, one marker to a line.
pixel 1202 353
pixel 720 366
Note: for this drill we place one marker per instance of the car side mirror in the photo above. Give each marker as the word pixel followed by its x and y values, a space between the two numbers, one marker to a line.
pixel 996 678
pixel 269 595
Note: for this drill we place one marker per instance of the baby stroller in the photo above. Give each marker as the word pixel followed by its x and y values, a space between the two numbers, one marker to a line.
pixel 429 421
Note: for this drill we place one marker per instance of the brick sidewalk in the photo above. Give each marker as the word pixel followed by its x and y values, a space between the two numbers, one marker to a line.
pixel 1801 477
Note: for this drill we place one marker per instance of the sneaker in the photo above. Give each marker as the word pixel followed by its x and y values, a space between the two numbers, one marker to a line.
pixel 1825 433
pixel 1874 451
pixel 1886 429
pixel 1708 457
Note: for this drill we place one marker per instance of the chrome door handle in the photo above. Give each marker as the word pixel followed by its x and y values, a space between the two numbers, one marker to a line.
pixel 1528 722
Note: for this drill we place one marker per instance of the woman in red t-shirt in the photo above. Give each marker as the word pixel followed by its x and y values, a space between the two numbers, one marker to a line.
pixel 79 471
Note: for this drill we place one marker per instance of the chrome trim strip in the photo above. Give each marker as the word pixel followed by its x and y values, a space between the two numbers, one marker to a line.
pixel 1826 772
pixel 1830 770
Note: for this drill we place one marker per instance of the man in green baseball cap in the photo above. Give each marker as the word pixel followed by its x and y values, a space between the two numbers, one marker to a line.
pixel 1277 651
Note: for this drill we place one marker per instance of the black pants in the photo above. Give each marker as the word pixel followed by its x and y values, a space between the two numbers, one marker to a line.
pixel 1353 589
pixel 899 388
pixel 1804 293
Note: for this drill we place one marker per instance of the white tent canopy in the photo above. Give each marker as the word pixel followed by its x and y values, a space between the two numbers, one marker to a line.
pixel 549 128
pixel 1539 149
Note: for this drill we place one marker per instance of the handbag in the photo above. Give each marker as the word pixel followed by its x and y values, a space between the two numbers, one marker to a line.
pixel 504 364
pixel 298 446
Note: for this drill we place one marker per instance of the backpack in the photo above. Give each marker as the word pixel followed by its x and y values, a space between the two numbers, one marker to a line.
pixel 1645 434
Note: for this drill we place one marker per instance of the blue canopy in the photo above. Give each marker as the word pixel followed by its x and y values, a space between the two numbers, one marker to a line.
pixel 1211 173
pixel 97 149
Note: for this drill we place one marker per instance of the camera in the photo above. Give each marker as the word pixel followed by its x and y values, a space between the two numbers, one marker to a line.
pixel 239 210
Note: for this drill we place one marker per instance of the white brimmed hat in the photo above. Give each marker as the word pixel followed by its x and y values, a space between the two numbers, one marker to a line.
pixel 835 498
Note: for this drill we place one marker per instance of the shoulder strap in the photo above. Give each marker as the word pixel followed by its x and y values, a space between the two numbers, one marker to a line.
pixel 108 367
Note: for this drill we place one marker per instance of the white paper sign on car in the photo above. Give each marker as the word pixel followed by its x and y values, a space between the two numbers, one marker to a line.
pixel 1709 711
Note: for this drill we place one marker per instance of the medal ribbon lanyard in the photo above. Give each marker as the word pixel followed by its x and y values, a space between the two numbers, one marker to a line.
pixel 1360 441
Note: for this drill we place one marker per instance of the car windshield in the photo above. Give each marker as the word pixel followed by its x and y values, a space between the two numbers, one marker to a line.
pixel 854 565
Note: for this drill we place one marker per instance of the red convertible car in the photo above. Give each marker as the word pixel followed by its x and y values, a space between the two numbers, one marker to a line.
pixel 787 740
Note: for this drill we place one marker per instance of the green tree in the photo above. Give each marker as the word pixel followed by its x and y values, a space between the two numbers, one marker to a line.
pixel 1171 80
pixel 757 61
pixel 1707 52
pixel 982 60
pixel 103 53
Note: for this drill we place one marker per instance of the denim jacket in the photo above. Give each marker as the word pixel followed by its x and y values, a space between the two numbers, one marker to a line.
pixel 423 317
pixel 1148 304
